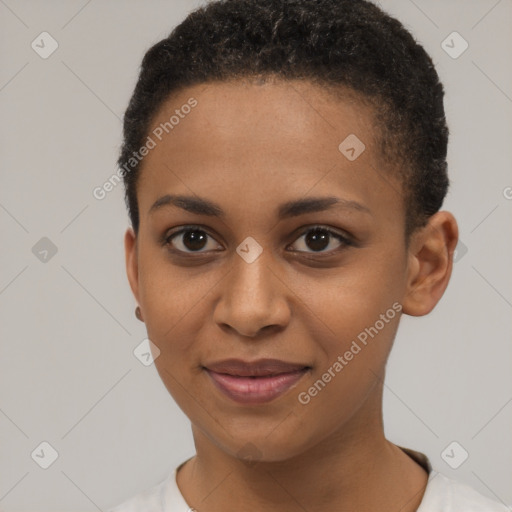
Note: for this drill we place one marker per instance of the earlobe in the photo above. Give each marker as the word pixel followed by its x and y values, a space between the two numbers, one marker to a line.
pixel 430 263
pixel 132 270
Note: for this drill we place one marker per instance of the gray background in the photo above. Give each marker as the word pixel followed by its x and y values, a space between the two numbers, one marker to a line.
pixel 68 374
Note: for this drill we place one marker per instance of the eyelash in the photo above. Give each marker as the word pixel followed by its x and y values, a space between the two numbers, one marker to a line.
pixel 345 240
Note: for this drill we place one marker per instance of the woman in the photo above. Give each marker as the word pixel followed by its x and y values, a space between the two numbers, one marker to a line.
pixel 285 167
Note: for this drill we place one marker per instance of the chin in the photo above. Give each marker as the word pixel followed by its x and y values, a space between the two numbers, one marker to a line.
pixel 264 447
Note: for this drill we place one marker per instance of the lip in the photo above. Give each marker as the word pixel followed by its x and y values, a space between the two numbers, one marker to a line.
pixel 255 382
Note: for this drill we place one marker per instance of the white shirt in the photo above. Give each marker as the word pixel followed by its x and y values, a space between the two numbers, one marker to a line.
pixel 442 494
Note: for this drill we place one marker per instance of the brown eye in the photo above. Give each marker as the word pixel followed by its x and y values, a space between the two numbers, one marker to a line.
pixel 191 240
pixel 319 238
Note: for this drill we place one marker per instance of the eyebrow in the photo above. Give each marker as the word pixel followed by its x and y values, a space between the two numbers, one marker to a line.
pixel 202 206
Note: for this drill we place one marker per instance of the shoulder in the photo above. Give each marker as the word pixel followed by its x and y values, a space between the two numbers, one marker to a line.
pixel 443 494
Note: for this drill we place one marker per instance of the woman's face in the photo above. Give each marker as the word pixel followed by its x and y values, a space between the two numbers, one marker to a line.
pixel 251 280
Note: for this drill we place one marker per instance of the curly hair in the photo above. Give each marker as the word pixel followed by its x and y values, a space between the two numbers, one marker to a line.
pixel 349 45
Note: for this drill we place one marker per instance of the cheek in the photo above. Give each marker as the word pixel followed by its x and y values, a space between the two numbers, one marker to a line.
pixel 350 367
pixel 171 295
pixel 347 303
pixel 177 305
pixel 351 349
pixel 353 318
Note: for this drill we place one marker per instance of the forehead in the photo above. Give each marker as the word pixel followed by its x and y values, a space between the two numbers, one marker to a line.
pixel 258 141
pixel 270 112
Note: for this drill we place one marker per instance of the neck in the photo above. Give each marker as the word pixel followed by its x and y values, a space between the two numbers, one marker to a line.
pixel 355 468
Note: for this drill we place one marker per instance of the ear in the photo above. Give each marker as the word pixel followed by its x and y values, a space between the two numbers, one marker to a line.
pixel 132 265
pixel 430 265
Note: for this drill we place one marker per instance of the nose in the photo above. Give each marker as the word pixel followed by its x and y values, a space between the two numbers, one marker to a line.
pixel 253 298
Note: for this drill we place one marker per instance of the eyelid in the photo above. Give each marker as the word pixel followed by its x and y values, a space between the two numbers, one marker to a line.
pixel 344 238
pixel 165 240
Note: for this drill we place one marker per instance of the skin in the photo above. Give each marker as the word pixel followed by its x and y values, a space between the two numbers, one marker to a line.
pixel 249 147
